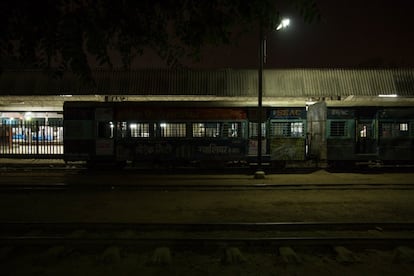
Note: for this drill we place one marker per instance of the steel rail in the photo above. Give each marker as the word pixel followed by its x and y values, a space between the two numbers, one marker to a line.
pixel 200 187
pixel 209 235
pixel 203 241
pixel 204 227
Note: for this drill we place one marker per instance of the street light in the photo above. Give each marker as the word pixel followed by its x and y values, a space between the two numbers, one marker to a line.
pixel 259 174
pixel 285 22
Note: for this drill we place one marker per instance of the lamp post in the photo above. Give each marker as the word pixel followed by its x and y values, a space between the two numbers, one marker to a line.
pixel 260 174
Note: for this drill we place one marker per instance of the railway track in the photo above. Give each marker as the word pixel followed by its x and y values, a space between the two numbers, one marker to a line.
pixel 16 187
pixel 262 235
pixel 207 249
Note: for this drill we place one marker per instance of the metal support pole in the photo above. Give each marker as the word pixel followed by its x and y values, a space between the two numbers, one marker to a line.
pixel 259 171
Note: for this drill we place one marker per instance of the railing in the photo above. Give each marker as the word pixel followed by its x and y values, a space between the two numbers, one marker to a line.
pixel 31 139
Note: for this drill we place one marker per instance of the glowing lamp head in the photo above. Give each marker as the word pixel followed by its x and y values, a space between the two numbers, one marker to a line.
pixel 283 24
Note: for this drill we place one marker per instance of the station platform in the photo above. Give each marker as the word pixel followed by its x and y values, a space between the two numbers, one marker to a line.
pixel 19 162
pixel 189 177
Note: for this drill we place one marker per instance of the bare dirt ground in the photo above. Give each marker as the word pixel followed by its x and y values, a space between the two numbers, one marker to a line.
pixel 370 262
pixel 206 206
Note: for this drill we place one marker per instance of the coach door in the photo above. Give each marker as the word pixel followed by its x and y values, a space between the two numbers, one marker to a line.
pixel 365 137
pixel 104 143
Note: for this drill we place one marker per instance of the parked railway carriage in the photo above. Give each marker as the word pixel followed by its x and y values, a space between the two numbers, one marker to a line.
pixel 362 135
pixel 158 132
pixel 351 134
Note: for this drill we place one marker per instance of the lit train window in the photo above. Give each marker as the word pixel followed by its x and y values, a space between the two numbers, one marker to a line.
pixel 363 132
pixel 172 129
pixel 403 129
pixel 139 129
pixel 287 129
pixel 206 129
pixel 234 130
pixel 297 129
pixel 393 129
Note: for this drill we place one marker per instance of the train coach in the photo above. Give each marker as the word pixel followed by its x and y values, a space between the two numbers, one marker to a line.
pixel 217 134
pixel 196 133
pixel 362 135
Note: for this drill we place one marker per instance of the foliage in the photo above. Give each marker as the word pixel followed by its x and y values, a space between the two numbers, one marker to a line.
pixel 62 34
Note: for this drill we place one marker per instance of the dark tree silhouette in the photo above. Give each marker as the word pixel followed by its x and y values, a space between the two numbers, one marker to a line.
pixel 61 34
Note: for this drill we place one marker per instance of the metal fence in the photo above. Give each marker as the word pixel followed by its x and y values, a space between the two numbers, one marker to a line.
pixel 31 139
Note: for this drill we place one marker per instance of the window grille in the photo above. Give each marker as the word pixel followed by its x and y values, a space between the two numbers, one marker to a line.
pixel 139 129
pixel 338 129
pixel 393 129
pixel 172 129
pixel 234 130
pixel 253 129
pixel 297 129
pixel 206 129
pixel 122 129
pixel 403 126
pixel 287 129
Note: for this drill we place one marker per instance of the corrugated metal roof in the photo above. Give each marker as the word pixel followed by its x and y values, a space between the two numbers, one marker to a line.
pixel 221 83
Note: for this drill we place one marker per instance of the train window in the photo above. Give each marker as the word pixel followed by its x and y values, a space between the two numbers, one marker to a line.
pixel 105 130
pixel 363 132
pixel 172 129
pixel 338 128
pixel 206 129
pixel 403 126
pixel 297 129
pixel 394 129
pixel 403 129
pixel 139 129
pixel 279 129
pixel 287 129
pixel 234 130
pixel 122 129
pixel 253 129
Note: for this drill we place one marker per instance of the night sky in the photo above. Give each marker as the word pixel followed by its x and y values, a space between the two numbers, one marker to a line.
pixel 351 33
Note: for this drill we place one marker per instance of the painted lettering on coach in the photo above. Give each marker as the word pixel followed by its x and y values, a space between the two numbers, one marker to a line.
pixel 340 113
pixel 213 149
pixel 288 113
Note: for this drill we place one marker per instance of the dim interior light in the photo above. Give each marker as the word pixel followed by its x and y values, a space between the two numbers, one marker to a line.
pixel 163 125
pixel 388 95
pixel 133 126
